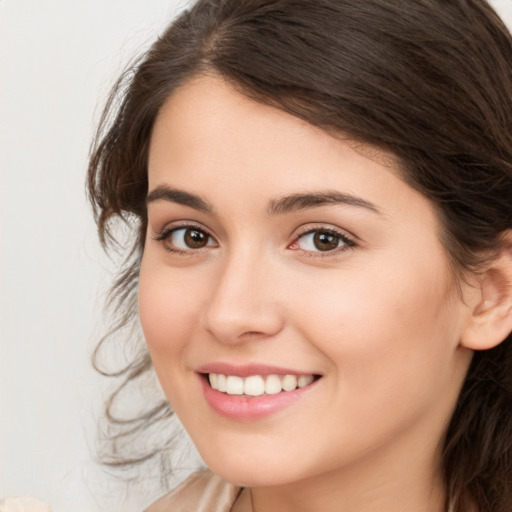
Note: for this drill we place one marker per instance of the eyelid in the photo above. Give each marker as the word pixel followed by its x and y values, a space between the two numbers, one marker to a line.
pixel 163 235
pixel 318 226
pixel 348 240
pixel 175 225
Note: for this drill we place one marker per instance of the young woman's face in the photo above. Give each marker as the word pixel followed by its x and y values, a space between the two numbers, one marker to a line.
pixel 298 274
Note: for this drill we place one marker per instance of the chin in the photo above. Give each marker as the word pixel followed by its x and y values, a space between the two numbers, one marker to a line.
pixel 246 469
pixel 251 477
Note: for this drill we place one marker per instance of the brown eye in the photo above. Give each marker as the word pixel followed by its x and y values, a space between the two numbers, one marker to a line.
pixel 186 239
pixel 195 238
pixel 325 241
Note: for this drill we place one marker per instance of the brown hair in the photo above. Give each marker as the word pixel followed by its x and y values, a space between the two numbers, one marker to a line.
pixel 429 80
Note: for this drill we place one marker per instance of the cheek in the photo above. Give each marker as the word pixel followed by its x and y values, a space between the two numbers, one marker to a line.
pixel 168 309
pixel 389 323
pixel 391 345
pixel 169 312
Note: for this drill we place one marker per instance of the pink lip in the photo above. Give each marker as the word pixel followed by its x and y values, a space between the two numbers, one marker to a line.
pixel 239 407
pixel 249 369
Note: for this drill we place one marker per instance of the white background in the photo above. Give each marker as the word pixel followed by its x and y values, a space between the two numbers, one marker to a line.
pixel 58 59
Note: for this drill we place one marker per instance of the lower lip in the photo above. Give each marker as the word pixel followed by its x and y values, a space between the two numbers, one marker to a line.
pixel 250 408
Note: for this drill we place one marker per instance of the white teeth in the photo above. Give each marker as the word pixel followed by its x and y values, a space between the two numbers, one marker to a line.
pixel 272 385
pixel 254 385
pixel 214 380
pixel 221 383
pixel 304 380
pixel 234 385
pixel 257 385
pixel 289 382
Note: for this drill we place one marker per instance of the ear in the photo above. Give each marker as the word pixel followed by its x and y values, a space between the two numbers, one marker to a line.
pixel 490 320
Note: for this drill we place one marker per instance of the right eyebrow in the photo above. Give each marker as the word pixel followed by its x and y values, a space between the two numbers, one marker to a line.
pixel 164 193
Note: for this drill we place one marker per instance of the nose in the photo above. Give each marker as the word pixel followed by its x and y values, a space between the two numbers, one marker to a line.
pixel 244 304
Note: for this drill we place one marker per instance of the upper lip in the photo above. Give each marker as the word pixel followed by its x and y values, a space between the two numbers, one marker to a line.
pixel 249 369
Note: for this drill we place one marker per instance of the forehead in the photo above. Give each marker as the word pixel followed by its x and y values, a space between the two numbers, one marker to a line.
pixel 208 127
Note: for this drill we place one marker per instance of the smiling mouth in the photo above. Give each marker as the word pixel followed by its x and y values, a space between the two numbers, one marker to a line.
pixel 258 385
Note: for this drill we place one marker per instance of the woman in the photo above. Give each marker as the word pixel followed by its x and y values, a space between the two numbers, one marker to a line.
pixel 320 198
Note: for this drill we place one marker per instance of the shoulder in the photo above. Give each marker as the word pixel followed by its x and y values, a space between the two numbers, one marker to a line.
pixel 23 505
pixel 201 492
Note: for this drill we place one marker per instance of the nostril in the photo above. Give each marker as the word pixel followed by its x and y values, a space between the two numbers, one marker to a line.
pixel 251 334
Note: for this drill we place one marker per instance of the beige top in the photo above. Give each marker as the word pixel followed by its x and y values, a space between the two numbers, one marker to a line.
pixel 204 492
pixel 23 505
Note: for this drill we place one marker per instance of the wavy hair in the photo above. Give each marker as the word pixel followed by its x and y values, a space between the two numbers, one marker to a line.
pixel 429 80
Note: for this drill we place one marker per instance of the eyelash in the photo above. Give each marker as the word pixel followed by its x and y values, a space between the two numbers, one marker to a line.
pixel 348 242
pixel 166 233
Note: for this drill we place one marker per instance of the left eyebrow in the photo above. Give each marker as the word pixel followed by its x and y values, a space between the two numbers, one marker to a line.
pixel 295 202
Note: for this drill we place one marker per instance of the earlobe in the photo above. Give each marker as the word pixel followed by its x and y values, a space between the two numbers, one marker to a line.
pixel 491 318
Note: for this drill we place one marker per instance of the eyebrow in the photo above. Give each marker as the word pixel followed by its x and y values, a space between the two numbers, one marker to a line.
pixel 163 193
pixel 283 205
pixel 304 201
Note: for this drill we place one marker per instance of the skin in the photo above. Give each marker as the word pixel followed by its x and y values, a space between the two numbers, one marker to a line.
pixel 380 319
